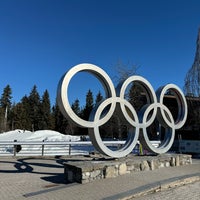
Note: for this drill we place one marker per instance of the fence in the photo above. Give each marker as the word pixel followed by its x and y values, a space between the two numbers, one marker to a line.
pixel 44 148
pixel 55 148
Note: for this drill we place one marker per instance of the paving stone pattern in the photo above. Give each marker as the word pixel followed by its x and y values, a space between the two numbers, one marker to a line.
pixel 43 179
pixel 186 192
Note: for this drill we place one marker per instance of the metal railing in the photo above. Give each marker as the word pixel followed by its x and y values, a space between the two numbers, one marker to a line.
pixel 47 148
pixel 57 148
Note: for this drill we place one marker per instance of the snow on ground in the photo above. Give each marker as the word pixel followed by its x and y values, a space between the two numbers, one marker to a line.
pixel 39 136
pixel 46 135
pixel 18 135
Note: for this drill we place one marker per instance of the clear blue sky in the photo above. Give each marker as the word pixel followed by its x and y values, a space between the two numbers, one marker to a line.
pixel 41 39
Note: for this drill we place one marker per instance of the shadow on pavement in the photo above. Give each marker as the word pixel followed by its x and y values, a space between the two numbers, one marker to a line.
pixel 44 166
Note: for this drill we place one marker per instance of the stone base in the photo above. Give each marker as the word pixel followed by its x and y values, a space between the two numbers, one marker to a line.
pixel 91 170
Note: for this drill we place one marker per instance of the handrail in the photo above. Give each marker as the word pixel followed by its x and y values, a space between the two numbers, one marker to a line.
pixel 56 142
pixel 68 144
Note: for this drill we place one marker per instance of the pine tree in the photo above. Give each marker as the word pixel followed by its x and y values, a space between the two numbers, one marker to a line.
pixel 25 115
pixel 2 114
pixel 35 114
pixel 6 97
pixel 5 105
pixel 76 107
pixel 61 123
pixel 136 96
pixel 99 98
pixel 18 117
pixel 45 112
pixel 89 105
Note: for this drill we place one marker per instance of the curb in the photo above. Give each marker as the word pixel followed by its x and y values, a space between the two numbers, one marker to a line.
pixel 156 187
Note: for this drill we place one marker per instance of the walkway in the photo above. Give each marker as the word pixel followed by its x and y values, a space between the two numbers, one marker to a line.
pixel 42 178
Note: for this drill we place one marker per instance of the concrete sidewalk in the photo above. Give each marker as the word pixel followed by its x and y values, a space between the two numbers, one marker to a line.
pixel 42 178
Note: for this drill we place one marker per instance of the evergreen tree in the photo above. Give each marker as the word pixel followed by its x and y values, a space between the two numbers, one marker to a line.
pixel 2 118
pixel 89 105
pixel 6 97
pixel 61 123
pixel 34 103
pixel 74 129
pixel 136 96
pixel 99 98
pixel 53 121
pixel 45 110
pixel 5 105
pixel 18 117
pixel 76 107
pixel 25 116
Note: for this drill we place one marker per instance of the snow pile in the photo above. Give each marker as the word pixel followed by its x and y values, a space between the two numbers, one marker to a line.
pixel 41 136
pixel 18 135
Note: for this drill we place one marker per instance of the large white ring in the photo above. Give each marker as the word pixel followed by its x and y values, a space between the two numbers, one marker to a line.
pixel 169 135
pixel 133 135
pixel 62 94
pixel 182 104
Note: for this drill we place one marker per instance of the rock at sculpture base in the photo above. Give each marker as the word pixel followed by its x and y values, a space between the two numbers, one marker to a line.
pixel 88 171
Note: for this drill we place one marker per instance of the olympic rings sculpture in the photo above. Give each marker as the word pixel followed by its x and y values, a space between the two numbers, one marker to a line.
pixel 140 121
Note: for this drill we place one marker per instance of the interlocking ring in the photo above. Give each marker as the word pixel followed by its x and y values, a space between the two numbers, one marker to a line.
pixel 154 109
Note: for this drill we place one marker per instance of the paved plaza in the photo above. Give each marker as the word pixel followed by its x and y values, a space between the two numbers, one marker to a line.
pixel 186 192
pixel 43 178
